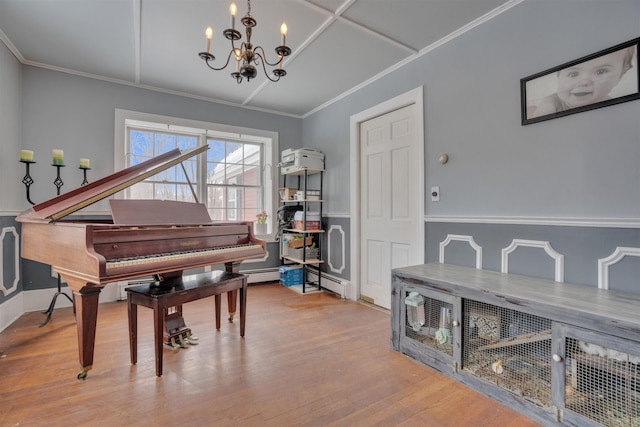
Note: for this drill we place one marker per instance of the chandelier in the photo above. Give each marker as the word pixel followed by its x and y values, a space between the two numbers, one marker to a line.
pixel 247 57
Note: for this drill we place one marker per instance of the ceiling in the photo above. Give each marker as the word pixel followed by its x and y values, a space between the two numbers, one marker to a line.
pixel 337 45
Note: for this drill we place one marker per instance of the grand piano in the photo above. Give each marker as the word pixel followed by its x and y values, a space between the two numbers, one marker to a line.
pixel 143 238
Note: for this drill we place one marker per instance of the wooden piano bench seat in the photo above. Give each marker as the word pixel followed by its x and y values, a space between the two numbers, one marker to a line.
pixel 160 296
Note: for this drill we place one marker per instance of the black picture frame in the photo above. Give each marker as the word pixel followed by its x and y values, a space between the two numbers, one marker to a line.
pixel 553 93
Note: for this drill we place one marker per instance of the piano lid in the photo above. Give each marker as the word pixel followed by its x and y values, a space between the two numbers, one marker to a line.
pixel 74 200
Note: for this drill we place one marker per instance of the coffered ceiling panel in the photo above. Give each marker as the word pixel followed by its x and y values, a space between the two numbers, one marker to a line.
pixel 353 58
pixel 336 44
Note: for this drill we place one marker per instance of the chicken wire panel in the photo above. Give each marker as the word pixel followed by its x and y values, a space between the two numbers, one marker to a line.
pixel 602 384
pixel 509 349
pixel 436 332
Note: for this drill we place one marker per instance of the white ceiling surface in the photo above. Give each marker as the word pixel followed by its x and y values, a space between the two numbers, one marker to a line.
pixel 337 45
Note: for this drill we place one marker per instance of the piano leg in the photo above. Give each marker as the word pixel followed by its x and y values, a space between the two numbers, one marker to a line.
pixel 232 296
pixel 86 318
pixel 132 311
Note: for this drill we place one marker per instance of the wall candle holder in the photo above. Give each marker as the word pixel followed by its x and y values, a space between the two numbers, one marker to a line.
pixel 28 181
pixel 58 181
pixel 84 172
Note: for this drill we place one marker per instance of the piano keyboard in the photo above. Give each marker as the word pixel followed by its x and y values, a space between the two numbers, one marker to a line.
pixel 176 256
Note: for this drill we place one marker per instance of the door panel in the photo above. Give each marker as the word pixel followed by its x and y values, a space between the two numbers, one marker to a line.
pixel 390 219
pixel 374 177
pixel 400 184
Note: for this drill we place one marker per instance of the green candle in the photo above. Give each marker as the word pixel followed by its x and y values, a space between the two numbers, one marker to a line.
pixel 26 155
pixel 58 157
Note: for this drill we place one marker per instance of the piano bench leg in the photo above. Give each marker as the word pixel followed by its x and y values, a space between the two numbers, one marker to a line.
pixel 82 375
pixel 232 297
pixel 218 307
pixel 132 311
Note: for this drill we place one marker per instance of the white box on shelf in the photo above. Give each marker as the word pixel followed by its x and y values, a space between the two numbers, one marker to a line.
pixel 313 221
pixel 295 160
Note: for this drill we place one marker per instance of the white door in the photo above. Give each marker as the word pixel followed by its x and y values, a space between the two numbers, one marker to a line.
pixel 391 224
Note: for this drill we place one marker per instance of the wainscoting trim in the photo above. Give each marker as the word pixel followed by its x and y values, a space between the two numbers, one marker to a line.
pixel 339 229
pixel 564 222
pixel 516 243
pixel 615 257
pixel 16 259
pixel 460 238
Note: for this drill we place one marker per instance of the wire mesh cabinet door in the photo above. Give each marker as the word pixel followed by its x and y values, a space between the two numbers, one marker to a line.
pixel 435 338
pixel 596 378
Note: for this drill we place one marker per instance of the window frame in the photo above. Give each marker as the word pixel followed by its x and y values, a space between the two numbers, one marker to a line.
pixel 205 130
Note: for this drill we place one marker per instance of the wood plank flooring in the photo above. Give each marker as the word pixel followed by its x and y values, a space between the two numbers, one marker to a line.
pixel 306 360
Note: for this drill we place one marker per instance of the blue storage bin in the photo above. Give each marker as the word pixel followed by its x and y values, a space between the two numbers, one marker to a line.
pixel 290 275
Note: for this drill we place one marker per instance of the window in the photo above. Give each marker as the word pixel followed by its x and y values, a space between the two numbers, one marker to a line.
pixel 171 184
pixel 233 179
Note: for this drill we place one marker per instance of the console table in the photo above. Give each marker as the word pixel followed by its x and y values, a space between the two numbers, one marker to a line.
pixel 563 354
pixel 160 296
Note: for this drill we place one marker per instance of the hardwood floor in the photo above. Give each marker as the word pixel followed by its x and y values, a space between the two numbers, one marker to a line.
pixel 312 360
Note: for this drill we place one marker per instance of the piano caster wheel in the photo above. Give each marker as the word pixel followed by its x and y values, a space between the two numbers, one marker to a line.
pixel 82 375
pixel 174 344
pixel 231 317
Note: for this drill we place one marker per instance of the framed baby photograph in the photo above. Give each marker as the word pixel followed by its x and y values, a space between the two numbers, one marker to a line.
pixel 604 78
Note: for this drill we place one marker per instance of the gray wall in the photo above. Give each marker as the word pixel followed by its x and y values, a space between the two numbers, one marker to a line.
pixel 10 130
pixel 582 167
pixel 11 171
pixel 76 114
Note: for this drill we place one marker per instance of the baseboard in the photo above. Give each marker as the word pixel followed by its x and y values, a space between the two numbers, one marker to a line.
pixel 332 283
pixel 263 275
pixel 10 311
pixel 40 299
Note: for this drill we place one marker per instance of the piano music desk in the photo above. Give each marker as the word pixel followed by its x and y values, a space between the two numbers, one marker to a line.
pixel 159 296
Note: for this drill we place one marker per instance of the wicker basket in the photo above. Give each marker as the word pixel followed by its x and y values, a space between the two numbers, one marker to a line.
pixel 297 243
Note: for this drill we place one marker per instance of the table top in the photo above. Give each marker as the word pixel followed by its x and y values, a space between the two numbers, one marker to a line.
pixel 564 302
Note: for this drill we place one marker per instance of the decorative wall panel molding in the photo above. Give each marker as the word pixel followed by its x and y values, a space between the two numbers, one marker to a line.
pixel 564 222
pixel 330 233
pixel 7 232
pixel 460 238
pixel 615 257
pixel 516 243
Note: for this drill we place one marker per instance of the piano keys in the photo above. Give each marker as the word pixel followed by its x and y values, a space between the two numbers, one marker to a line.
pixel 143 238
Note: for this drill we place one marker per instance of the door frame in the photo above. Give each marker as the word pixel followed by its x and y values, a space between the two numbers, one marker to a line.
pixel 414 96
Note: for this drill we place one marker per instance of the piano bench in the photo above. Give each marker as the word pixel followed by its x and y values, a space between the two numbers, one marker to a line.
pixel 162 295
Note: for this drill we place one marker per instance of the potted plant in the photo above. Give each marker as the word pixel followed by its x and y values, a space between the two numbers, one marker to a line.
pixel 260 226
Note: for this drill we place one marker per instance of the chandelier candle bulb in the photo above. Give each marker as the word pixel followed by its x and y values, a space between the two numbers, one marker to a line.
pixel 58 157
pixel 209 33
pixel 84 163
pixel 26 156
pixel 233 9
pixel 238 58
pixel 283 31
